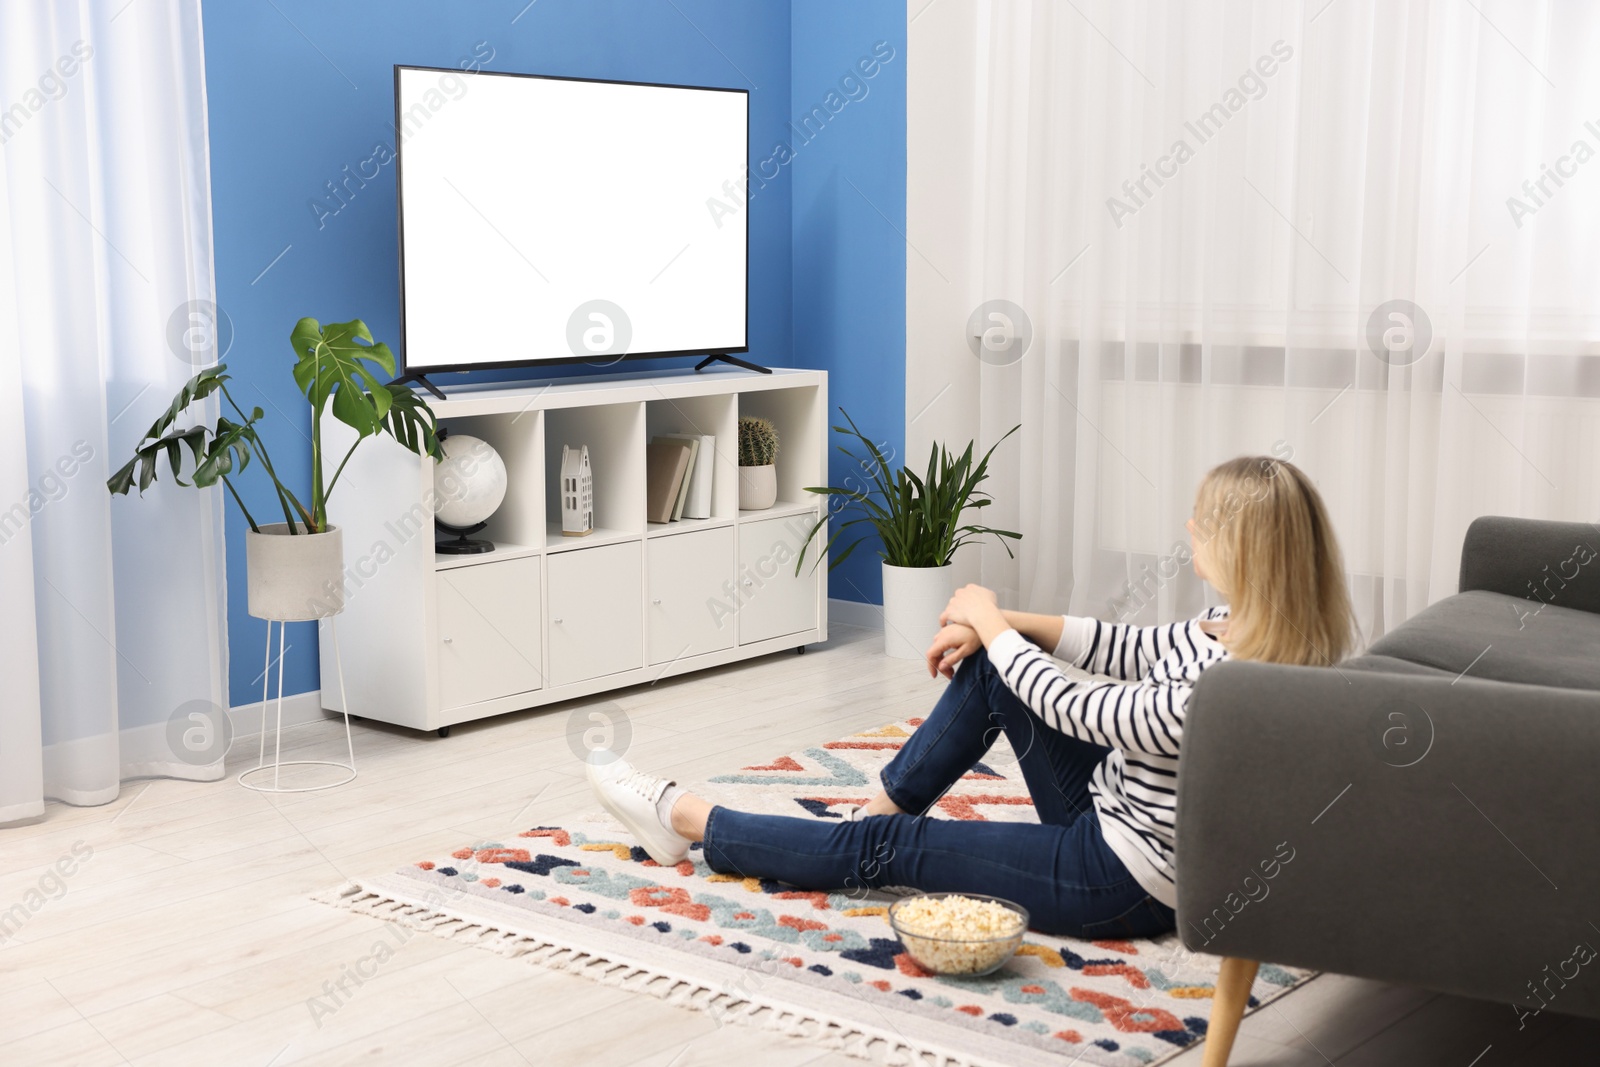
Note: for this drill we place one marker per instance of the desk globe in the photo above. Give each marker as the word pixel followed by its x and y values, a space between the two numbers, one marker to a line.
pixel 471 485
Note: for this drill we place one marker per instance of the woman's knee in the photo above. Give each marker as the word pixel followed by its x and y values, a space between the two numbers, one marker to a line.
pixel 976 674
pixel 978 662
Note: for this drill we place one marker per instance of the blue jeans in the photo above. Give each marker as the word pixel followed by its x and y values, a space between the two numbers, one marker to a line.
pixel 1060 869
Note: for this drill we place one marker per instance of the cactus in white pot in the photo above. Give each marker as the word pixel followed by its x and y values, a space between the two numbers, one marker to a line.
pixel 758 458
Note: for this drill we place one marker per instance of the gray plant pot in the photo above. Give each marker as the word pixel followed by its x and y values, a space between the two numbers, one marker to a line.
pixel 294 577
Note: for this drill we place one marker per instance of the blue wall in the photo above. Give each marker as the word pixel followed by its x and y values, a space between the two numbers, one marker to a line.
pixel 849 204
pixel 300 90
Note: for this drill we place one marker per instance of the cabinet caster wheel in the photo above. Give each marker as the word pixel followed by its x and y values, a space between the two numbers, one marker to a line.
pixel 444 731
pixel 800 651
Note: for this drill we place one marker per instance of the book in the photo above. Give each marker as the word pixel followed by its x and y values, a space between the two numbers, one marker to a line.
pixel 693 441
pixel 666 464
pixel 688 473
pixel 697 504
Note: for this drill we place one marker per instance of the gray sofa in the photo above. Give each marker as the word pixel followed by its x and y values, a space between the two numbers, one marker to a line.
pixel 1427 813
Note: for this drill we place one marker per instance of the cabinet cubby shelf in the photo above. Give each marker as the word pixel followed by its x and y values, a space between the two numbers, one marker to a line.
pixel 431 640
pixel 555 541
pixel 667 529
pixel 781 509
pixel 444 561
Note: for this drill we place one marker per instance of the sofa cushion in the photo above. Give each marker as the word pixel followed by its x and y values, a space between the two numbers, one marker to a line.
pixel 1502 638
pixel 1391 665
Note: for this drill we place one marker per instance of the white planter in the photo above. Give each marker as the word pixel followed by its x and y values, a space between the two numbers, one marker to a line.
pixel 913 597
pixel 758 487
pixel 294 577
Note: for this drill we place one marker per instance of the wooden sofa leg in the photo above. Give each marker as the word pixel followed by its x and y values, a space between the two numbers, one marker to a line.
pixel 1227 1008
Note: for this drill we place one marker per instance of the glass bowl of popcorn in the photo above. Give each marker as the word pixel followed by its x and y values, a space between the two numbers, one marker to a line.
pixel 959 934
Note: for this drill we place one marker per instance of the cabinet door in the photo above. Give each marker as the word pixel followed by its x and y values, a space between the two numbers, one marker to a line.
pixel 488 631
pixel 596 612
pixel 691 608
pixel 773 600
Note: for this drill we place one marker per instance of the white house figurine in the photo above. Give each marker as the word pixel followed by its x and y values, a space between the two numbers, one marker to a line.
pixel 577 492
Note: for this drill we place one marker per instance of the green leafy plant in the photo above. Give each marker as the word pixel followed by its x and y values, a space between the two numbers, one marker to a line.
pixel 758 442
pixel 331 368
pixel 918 519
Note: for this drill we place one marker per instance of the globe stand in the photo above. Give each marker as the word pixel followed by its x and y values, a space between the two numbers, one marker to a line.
pixel 462 545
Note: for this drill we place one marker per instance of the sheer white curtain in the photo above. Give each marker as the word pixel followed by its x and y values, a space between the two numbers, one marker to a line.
pixel 111 612
pixel 1202 210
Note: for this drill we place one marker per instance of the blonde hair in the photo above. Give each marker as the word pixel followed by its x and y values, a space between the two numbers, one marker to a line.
pixel 1270 549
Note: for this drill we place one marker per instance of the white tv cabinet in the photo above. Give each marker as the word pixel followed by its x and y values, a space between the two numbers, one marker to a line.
pixel 430 640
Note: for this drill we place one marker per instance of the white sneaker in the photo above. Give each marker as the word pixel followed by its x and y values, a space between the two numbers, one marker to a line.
pixel 631 796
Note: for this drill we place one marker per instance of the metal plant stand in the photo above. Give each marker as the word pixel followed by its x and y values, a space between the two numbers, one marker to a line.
pixel 277 741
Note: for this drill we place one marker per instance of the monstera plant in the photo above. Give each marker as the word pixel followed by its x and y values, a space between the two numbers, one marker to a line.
pixel 335 369
pixel 330 367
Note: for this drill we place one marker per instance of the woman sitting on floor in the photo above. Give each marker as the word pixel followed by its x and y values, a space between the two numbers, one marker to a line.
pixel 1102 771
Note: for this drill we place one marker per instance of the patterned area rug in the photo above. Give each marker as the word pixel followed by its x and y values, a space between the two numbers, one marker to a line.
pixel 820 966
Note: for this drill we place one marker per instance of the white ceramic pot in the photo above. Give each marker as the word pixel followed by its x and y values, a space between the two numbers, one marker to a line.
pixel 758 487
pixel 913 597
pixel 294 577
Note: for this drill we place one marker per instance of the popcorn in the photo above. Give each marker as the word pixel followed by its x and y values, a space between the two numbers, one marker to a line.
pixel 954 934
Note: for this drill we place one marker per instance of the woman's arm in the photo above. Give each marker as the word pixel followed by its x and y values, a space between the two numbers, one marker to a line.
pixel 1114 649
pixel 1120 650
pixel 1134 718
pixel 955 642
pixel 978 608
pixel 1140 717
pixel 1042 630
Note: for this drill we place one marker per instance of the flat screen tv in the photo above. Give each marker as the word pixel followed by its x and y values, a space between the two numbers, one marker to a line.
pixel 560 220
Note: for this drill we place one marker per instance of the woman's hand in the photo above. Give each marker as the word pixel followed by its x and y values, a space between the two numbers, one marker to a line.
pixel 950 646
pixel 970 603
pixel 977 608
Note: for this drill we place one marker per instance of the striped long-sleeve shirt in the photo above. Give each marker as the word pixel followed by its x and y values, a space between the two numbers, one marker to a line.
pixel 1139 716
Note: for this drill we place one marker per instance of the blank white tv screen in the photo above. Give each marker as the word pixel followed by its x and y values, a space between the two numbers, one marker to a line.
pixel 551 219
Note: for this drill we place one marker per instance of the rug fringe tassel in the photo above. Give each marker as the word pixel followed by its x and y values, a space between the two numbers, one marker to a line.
pixel 830 1033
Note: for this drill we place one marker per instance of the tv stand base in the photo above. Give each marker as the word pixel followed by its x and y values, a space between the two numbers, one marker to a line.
pixel 735 360
pixel 422 380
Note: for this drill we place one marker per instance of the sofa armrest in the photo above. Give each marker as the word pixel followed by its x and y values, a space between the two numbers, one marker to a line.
pixel 1555 562
pixel 1399 827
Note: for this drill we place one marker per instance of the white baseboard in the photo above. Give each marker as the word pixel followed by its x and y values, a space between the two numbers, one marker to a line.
pixel 851 613
pixel 298 709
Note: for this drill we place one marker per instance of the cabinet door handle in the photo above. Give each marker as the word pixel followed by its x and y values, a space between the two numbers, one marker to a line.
pixel 448 640
pixel 556 621
pixel 748 583
pixel 657 600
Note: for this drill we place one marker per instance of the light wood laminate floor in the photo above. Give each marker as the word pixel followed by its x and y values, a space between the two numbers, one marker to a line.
pixel 188 936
